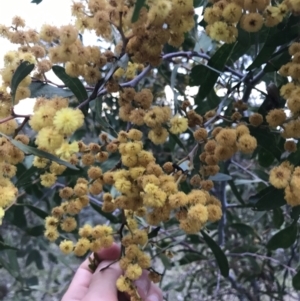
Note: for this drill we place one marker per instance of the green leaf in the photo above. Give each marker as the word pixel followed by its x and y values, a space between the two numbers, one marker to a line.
pixel 35 256
pixel 296 281
pixel 284 238
pixel 39 212
pixel 275 63
pixel 138 6
pixel 4 245
pixel 286 35
pixel 209 77
pixel 191 257
pixel 153 233
pixel 19 218
pixel 39 89
pixel 113 219
pixel 239 50
pixel 294 158
pixel 211 102
pixel 266 140
pixel 295 212
pixel 21 72
pixel 244 229
pixel 40 153
pixel 220 177
pixel 36 230
pixel 73 173
pixel 73 83
pixel 263 56
pixel 265 158
pixel 278 217
pixel 175 140
pixel 268 199
pixel 8 259
pixel 32 281
pixel 26 177
pixel 197 75
pixel 166 261
pixel 235 191
pixel 219 254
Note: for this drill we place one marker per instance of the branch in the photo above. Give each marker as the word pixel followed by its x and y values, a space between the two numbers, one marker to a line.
pixel 221 193
pixel 263 257
pixel 190 54
pixel 248 172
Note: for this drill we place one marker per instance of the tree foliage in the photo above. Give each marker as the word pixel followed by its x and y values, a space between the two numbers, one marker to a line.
pixel 203 184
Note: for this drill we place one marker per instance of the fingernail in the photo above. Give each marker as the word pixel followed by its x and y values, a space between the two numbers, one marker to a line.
pixel 153 298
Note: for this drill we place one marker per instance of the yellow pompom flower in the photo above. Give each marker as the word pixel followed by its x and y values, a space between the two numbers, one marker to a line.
pixel 68 224
pixel 133 148
pixel 57 169
pixel 51 222
pixel 178 124
pixel 49 33
pixel 101 231
pixel 124 186
pixel 155 198
pixel 276 117
pixel 48 179
pixel 66 150
pixel 136 172
pixel 214 212
pixel 8 127
pixel 133 271
pixel 66 246
pixel 49 138
pixel 199 213
pixel 280 176
pixel 68 34
pixel 82 246
pixel 232 13
pixel 2 213
pixel 226 137
pixel 252 22
pixel 51 234
pixel 158 135
pixel 123 284
pixel 218 31
pixel 68 120
pixel 7 195
pixel 247 144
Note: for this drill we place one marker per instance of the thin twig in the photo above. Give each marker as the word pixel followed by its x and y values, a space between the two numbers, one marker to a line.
pixel 262 257
pixel 249 172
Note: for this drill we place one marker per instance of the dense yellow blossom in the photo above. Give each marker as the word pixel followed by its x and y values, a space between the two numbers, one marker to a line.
pixel 68 120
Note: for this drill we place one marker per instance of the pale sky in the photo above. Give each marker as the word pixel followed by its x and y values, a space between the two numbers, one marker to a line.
pixel 56 12
pixel 48 11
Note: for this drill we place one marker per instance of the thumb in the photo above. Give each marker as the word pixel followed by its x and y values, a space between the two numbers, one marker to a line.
pixel 103 283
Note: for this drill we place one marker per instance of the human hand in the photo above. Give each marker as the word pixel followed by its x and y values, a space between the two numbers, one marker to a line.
pixel 101 285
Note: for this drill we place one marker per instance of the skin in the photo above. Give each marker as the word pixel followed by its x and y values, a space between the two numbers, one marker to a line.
pixel 101 285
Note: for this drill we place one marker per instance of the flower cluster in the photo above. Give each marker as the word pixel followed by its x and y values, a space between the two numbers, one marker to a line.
pixel 55 122
pixel 161 22
pixel 287 177
pixel 290 92
pixel 225 143
pixel 223 17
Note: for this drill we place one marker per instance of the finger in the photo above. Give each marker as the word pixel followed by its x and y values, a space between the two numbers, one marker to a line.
pixel 81 281
pixel 143 285
pixel 155 293
pixel 103 283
